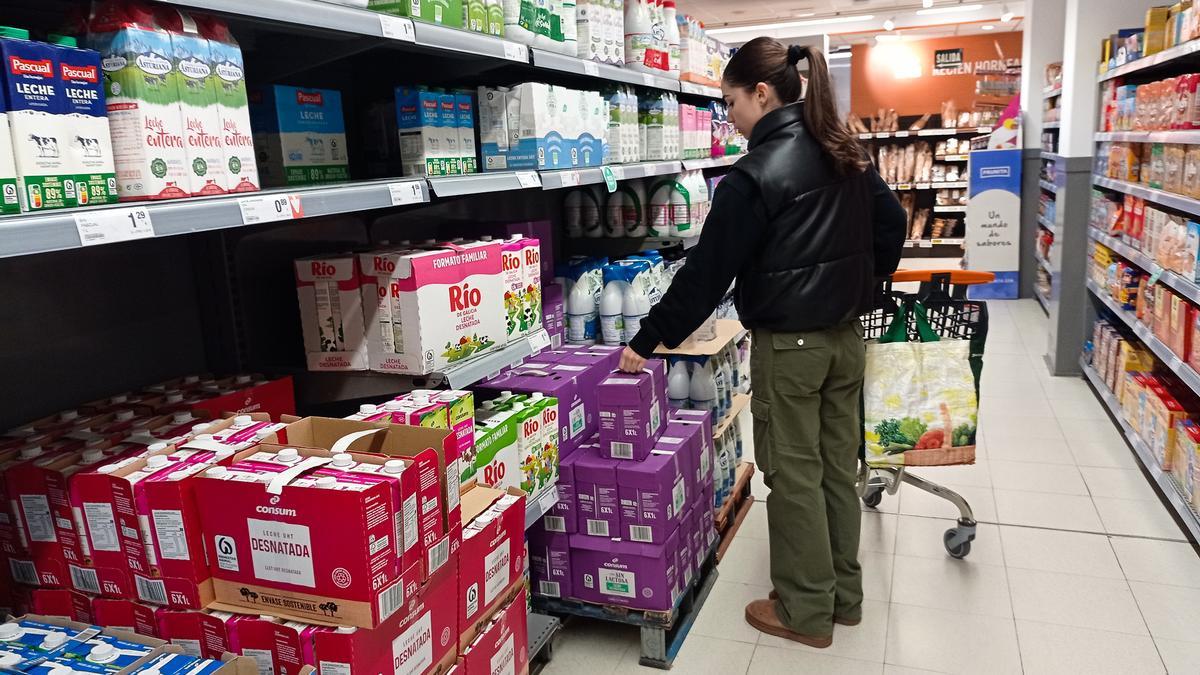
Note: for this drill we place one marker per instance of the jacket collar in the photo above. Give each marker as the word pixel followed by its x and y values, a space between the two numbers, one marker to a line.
pixel 793 113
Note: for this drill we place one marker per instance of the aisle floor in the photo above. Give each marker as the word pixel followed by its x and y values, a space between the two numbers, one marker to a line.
pixel 1077 567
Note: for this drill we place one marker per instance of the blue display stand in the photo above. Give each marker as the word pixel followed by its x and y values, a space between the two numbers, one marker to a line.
pixel 994 222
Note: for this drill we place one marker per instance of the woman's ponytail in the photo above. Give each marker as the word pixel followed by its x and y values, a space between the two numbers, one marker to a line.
pixel 765 59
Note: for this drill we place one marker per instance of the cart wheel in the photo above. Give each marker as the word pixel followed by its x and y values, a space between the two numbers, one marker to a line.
pixel 873 497
pixel 961 551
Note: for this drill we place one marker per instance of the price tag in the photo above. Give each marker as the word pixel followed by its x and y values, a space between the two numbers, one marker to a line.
pixel 397 28
pixel 516 52
pixel 408 192
pixel 901 134
pixel 591 68
pixel 549 499
pixel 904 186
pixel 610 181
pixel 925 243
pixel 648 80
pixel 1154 276
pixel 882 134
pixel 268 208
pixel 529 179
pixel 538 341
pixel 105 226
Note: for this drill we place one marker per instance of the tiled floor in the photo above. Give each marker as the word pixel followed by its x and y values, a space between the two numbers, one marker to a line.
pixel 1076 568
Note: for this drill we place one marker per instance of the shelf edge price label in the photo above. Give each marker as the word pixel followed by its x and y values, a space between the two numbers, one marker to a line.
pixel 1155 275
pixel 515 52
pixel 270 208
pixel 548 499
pixel 408 192
pixel 397 28
pixel 591 68
pixel 529 179
pixel 610 179
pixel 106 226
pixel 648 79
pixel 538 341
pixel 901 134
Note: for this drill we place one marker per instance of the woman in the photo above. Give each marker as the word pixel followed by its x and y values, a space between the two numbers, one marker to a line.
pixel 806 226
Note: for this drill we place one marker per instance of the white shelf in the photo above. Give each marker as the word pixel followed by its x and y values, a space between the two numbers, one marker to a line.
pixel 570 64
pixel 949 209
pixel 1044 263
pixel 536 508
pixel 1042 300
pixel 699 90
pixel 1172 361
pixel 1164 481
pixel 1162 198
pixel 710 162
pixel 565 178
pixel 1051 92
pixel 479 183
pixel 1048 186
pixel 1048 224
pixel 1182 137
pixel 1053 156
pixel 952 158
pixel 1051 125
pixel 927 132
pixel 1160 58
pixel 1181 285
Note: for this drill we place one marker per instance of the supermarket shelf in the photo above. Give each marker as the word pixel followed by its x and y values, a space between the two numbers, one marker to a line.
pixel 1053 156
pixel 1160 349
pixel 542 628
pixel 952 158
pixel 927 132
pixel 1042 300
pixel 479 183
pixel 1183 137
pixel 699 90
pixel 949 209
pixel 728 330
pixel 1048 186
pixel 536 508
pixel 930 243
pixel 944 185
pixel 1051 125
pixel 1051 92
pixel 647 169
pixel 710 163
pixel 27 234
pixel 1048 224
pixel 570 64
pixel 553 180
pixel 1158 59
pixel 740 401
pixel 1164 481
pixel 1044 263
pixel 1181 285
pixel 1174 201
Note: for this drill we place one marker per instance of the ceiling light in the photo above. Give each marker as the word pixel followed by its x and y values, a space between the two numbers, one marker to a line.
pixel 889 24
pixel 790 24
pixel 927 3
pixel 948 9
pixel 1007 16
pixel 988 27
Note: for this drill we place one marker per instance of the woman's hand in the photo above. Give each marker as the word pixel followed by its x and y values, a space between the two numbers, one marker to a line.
pixel 631 361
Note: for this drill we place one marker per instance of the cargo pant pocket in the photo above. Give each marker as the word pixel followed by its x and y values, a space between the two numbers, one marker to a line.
pixel 760 411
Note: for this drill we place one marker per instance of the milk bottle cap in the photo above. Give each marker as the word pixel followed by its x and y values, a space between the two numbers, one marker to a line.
pixel 326 482
pixel 288 455
pixel 9 659
pixel 62 40
pixel 393 466
pixel 68 415
pixel 242 379
pixel 368 409
pixel 53 640
pixel 60 669
pixel 242 421
pixel 156 447
pixel 180 417
pixel 176 397
pixel 392 406
pixel 108 468
pixel 10 630
pixel 123 415
pixel 102 653
pixel 31 452
pixel 216 472
pixel 204 437
pixel 92 456
pixel 342 459
pixel 157 462
pixel 200 428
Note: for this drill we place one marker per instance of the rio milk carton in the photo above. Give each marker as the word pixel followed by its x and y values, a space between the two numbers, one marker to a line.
pixel 89 145
pixel 142 99
pixel 237 141
pixel 331 312
pixel 447 306
pixel 300 134
pixel 37 121
pixel 191 57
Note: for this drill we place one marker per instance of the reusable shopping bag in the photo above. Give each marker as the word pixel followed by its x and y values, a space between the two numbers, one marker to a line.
pixel 920 405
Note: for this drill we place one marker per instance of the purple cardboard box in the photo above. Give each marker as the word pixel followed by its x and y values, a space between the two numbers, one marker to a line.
pixel 572 407
pixel 562 516
pixel 554 313
pixel 611 354
pixel 550 563
pixel 615 572
pixel 631 415
pixel 684 441
pixel 705 439
pixel 597 498
pixel 687 544
pixel 708 528
pixel 652 496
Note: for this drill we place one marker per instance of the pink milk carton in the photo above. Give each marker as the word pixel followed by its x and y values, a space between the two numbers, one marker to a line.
pixel 616 572
pixel 632 413
pixel 277 646
pixel 652 497
pixel 330 292
pixel 460 412
pixel 519 314
pixel 597 495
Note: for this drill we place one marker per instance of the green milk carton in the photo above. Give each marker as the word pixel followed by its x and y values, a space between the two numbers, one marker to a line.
pixel 442 12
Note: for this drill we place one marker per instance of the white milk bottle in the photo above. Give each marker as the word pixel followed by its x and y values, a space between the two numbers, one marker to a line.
pixel 721 385
pixel 635 305
pixel 727 375
pixel 612 323
pixel 702 391
pixel 581 314
pixel 678 384
pixel 567 11
pixel 672 30
pixel 572 205
pixel 658 212
pixel 633 212
pixel 637 33
pixel 680 216
pixel 614 215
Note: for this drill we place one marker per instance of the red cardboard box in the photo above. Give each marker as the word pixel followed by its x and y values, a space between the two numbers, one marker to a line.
pixel 492 557
pixel 202 633
pixel 125 615
pixel 62 602
pixel 503 646
pixel 279 647
pixel 275 398
pixel 37 490
pixel 416 641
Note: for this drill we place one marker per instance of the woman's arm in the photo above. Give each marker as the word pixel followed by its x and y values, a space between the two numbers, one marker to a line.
pixel 891 226
pixel 730 236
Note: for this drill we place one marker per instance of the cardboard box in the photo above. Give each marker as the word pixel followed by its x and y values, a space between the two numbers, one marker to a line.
pixel 550 563
pixel 597 495
pixel 276 646
pixel 615 572
pixel 503 645
pixel 492 556
pixel 653 497
pixel 40 501
pixel 203 633
pixel 332 318
pixel 129 645
pixel 273 397
pixel 1164 411
pixel 562 516
pixel 632 412
pixel 126 615
pixel 65 604
pixel 300 135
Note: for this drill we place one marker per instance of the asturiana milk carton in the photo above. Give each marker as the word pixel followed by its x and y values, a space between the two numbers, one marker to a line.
pixel 37 122
pixel 301 135
pixel 331 298
pixel 89 145
pixel 191 57
pixel 142 100
pixel 237 141
pixel 447 306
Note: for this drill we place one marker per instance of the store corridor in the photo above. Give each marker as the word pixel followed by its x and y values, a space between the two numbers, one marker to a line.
pixel 1077 567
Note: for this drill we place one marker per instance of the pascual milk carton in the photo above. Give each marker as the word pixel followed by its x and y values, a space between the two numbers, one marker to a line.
pixel 89 145
pixel 464 103
pixel 142 98
pixel 419 121
pixel 300 134
pixel 191 57
pixel 37 122
pixel 8 168
pixel 241 166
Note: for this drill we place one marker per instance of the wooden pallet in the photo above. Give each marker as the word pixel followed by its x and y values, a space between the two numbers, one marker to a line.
pixel 731 514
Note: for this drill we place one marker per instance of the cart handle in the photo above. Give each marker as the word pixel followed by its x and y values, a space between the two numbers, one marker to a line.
pixel 957 277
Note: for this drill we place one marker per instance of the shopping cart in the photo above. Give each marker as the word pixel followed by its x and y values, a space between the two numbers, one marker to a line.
pixel 952 316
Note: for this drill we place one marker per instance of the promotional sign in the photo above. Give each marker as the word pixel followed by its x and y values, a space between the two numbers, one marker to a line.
pixel 994 221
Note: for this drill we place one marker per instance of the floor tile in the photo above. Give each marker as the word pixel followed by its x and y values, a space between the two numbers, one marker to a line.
pixel 1040 509
pixel 1182 658
pixel 956 585
pixel 1088 431
pixel 1137 518
pixel 773 660
pixel 878 532
pixel 1005 446
pixel 1113 453
pixel 1080 407
pixel 865 642
pixel 889 669
pixel 1032 406
pixel 922 538
pixel 1172 612
pixel 917 502
pixel 755 524
pixel 1037 477
pixel 1023 426
pixel 991 387
pixel 1060 551
pixel 723 613
pixel 594 647
pixel 748 561
pixel 1002 347
pixel 710 656
pixel 951 642
pixel 1048 649
pixel 1074 600
pixel 1119 483
pixel 972 475
pixel 1066 387
pixel 1162 562
pixel 877 575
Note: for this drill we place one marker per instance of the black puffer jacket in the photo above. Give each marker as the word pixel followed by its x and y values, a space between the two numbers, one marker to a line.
pixel 805 244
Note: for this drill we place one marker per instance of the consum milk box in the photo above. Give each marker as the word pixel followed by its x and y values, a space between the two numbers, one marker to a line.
pixel 492 556
pixel 502 648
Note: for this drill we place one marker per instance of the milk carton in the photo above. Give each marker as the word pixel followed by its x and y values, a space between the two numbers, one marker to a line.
pixel 597 495
pixel 550 563
pixel 464 104
pixel 616 572
pixel 519 319
pixel 495 458
pixel 300 134
pixel 9 202
pixel 191 57
pixel 447 307
pixel 444 12
pixel 89 146
pixel 331 312
pixel 142 100
pixel 237 141
pixel 448 131
pixel 419 120
pixel 37 121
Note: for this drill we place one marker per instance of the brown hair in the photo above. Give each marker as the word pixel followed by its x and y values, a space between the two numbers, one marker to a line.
pixel 765 59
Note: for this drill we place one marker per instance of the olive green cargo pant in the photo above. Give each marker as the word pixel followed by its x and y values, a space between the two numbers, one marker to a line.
pixel 807 431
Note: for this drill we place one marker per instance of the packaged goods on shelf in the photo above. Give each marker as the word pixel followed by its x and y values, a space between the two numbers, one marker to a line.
pixel 702 59
pixel 332 291
pixel 202 633
pixel 491 558
pixel 443 12
pixel 300 135
pixel 437 132
pixel 90 152
pixel 501 645
pixel 522 285
pixel 622 139
pixel 645 49
pixel 632 409
pixel 9 201
pixel 541 126
pixel 237 140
